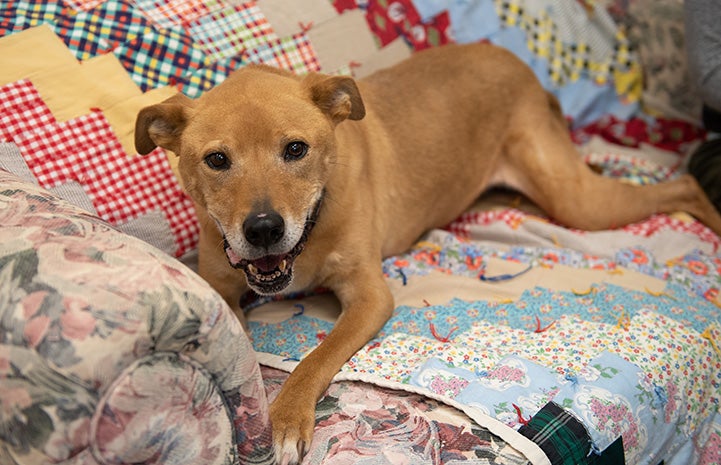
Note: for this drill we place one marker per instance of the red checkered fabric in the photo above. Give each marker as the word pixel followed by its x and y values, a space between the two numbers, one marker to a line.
pixel 461 227
pixel 658 223
pixel 167 13
pixel 513 218
pixel 86 150
pixel 22 110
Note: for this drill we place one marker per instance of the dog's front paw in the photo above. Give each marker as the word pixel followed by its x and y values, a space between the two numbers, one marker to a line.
pixel 292 431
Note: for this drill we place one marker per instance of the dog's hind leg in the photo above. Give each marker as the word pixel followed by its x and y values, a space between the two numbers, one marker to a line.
pixel 548 169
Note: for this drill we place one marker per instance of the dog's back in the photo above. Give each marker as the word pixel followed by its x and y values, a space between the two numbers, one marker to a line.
pixel 442 119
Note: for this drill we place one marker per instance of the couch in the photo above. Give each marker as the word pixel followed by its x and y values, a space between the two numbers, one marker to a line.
pixel 514 340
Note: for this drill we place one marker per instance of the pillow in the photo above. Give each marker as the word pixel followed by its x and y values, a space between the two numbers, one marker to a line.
pixel 111 351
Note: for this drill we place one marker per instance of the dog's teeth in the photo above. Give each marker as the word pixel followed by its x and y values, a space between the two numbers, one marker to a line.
pixel 255 272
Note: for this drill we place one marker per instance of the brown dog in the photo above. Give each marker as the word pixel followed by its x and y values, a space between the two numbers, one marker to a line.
pixel 291 195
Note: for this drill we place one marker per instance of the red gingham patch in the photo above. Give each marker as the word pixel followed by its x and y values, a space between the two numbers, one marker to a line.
pixel 85 150
pixel 21 110
pixel 462 225
pixel 658 223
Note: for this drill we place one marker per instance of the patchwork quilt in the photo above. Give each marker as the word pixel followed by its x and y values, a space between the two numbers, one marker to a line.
pixel 560 345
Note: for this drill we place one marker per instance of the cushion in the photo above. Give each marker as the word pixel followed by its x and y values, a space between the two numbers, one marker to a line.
pixel 111 351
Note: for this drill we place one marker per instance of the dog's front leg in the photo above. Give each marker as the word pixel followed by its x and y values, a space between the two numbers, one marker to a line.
pixel 367 304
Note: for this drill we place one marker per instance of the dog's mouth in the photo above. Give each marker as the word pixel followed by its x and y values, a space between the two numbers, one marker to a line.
pixel 271 274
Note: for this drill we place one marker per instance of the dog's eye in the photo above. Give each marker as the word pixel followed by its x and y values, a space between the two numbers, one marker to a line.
pixel 295 151
pixel 217 161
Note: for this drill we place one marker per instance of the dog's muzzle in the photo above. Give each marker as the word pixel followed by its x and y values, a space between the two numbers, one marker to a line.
pixel 272 273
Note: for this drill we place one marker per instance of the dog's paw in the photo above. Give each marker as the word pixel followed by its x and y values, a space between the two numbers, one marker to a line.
pixel 292 432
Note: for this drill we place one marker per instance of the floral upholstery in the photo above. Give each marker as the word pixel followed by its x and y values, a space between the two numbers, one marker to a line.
pixel 113 352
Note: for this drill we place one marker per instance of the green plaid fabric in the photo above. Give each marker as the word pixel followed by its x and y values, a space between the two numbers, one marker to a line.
pixel 562 437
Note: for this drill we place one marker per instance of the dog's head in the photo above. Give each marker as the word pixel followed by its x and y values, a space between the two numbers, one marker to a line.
pixel 256 153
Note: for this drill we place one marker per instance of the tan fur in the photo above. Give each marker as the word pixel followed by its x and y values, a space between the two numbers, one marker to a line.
pixel 436 131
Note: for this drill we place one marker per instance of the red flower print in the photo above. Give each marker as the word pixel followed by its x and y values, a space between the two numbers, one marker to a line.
pixel 639 257
pixel 711 294
pixel 697 267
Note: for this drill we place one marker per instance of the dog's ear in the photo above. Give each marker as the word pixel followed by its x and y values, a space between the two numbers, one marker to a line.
pixel 337 96
pixel 161 124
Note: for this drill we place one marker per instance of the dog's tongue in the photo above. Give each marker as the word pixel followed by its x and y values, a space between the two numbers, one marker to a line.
pixel 268 263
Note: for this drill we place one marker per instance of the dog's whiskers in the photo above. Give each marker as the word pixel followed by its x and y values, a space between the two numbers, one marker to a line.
pixel 345 165
pixel 329 198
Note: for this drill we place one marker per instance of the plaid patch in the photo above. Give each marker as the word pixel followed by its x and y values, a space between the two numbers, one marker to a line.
pixel 88 33
pixel 22 110
pixel 84 5
pixel 169 13
pixel 562 437
pixel 81 33
pixel 16 16
pixel 204 79
pixel 294 53
pixel 157 58
pixel 85 150
pixel 118 21
pixel 227 32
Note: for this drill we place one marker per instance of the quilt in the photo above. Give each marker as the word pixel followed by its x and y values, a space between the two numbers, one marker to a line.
pixel 568 346
pixel 617 337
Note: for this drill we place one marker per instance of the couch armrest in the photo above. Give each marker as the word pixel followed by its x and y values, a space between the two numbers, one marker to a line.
pixel 113 352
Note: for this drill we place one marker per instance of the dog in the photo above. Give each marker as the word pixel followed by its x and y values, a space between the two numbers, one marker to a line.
pixel 306 181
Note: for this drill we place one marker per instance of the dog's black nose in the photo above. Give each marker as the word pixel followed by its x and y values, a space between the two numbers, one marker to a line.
pixel 264 229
